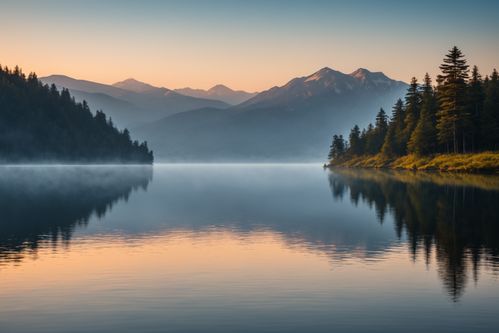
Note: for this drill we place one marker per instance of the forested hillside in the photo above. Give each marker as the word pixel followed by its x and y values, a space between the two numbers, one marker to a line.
pixel 290 123
pixel 460 115
pixel 40 124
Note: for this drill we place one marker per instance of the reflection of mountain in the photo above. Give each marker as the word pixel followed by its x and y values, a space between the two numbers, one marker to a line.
pixel 455 215
pixel 45 204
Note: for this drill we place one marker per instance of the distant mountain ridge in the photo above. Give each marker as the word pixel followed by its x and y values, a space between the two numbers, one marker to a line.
pixel 137 86
pixel 293 122
pixel 374 78
pixel 131 102
pixel 219 92
pixel 39 124
pixel 324 81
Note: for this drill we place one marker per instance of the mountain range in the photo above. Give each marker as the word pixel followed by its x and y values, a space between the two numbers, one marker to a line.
pixel 218 92
pixel 131 102
pixel 39 124
pixel 293 122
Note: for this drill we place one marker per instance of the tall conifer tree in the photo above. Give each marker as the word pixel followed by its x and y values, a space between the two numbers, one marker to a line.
pixel 412 109
pixel 423 138
pixel 453 116
pixel 355 141
pixel 476 96
pixel 490 116
pixel 393 144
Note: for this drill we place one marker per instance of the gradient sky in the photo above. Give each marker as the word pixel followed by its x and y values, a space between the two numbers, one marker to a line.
pixel 251 45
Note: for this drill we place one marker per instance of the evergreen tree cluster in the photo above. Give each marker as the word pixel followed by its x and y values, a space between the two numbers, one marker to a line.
pixel 39 123
pixel 458 115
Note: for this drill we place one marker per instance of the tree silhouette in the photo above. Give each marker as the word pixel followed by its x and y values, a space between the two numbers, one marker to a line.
pixel 458 113
pixel 423 138
pixel 452 115
pixel 476 96
pixel 412 112
pixel 39 123
pixel 490 116
pixel 393 144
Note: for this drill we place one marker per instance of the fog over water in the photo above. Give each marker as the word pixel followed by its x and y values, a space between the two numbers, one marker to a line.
pixel 246 247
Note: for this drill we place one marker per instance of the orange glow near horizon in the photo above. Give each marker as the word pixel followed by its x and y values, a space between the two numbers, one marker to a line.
pixel 186 257
pixel 249 46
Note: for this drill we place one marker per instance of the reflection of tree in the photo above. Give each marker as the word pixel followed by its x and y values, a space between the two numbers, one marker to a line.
pixel 46 204
pixel 456 215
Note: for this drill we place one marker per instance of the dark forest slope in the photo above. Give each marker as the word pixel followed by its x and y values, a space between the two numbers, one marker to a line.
pixel 40 124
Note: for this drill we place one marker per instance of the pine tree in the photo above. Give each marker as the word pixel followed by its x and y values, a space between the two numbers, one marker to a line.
pixel 453 116
pixel 490 117
pixel 381 127
pixel 337 147
pixel 423 138
pixel 37 122
pixel 363 141
pixel 460 114
pixel 412 110
pixel 370 140
pixel 389 145
pixel 393 143
pixel 355 142
pixel 381 121
pixel 476 96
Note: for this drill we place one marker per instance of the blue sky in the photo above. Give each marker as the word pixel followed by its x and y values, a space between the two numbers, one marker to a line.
pixel 247 45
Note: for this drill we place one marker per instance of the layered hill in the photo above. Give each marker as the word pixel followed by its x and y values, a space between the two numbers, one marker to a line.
pixel 38 123
pixel 219 92
pixel 130 102
pixel 293 122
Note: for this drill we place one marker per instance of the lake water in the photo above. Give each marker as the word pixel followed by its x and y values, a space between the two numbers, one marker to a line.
pixel 246 248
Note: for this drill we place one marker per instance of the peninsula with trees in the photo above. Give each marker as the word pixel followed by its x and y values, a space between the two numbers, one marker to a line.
pixel 450 126
pixel 40 124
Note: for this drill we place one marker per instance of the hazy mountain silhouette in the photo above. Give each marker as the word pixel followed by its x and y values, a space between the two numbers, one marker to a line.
pixel 38 123
pixel 131 102
pixel 139 87
pixel 219 92
pixel 116 108
pixel 293 122
pixel 326 83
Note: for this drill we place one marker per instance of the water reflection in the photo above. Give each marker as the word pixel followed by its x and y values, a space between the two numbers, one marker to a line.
pixel 455 215
pixel 246 249
pixel 293 202
pixel 452 218
pixel 43 205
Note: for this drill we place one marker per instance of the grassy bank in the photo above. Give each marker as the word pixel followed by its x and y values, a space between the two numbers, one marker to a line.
pixel 479 162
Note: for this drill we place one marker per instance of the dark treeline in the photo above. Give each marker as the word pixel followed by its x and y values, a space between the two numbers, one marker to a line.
pixel 443 215
pixel 39 123
pixel 458 115
pixel 60 200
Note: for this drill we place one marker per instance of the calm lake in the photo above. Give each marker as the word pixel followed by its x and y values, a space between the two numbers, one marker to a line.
pixel 246 248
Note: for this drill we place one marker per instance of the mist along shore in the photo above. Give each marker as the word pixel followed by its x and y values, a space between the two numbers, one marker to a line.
pixel 485 162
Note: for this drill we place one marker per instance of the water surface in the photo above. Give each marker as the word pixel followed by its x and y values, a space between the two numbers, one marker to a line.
pixel 246 248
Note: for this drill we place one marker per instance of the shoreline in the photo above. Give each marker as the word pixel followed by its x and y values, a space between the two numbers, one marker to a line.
pixel 485 162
